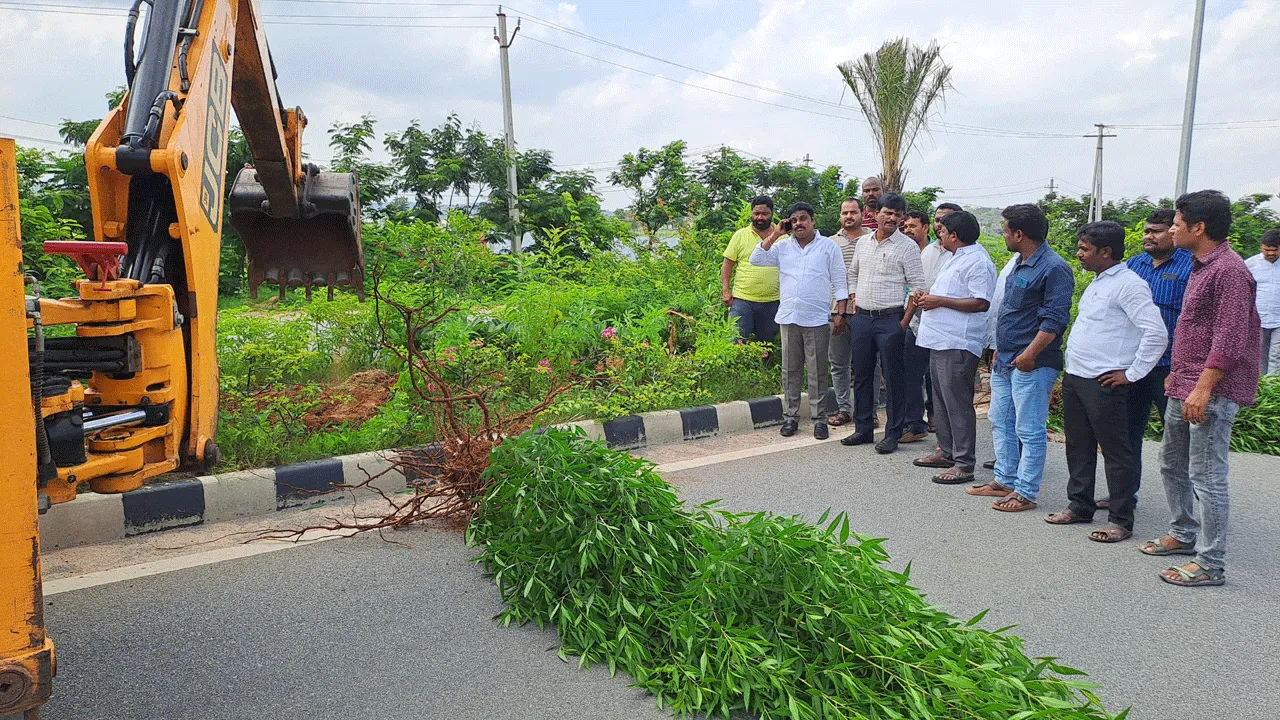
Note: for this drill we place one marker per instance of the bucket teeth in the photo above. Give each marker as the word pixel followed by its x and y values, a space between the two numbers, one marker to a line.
pixel 320 245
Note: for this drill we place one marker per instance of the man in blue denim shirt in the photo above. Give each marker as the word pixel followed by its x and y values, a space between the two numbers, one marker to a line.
pixel 1033 317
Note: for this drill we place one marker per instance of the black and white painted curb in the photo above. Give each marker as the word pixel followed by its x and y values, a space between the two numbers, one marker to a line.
pixel 93 518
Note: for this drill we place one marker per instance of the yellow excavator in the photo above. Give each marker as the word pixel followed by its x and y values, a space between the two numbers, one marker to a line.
pixel 132 393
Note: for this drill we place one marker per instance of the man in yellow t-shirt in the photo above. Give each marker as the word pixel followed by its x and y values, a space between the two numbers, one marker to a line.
pixel 752 298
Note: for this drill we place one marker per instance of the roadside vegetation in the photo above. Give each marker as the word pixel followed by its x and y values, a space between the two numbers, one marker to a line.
pixel 626 305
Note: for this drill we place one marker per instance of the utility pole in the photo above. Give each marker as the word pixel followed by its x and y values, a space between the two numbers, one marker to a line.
pixel 504 44
pixel 1189 108
pixel 1095 200
pixel 1051 188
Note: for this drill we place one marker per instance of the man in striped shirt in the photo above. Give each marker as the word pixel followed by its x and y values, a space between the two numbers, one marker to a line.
pixel 885 264
pixel 841 351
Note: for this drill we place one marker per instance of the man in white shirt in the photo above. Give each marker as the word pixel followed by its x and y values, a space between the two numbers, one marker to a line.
pixel 953 328
pixel 1118 337
pixel 1266 272
pixel 885 264
pixel 915 359
pixel 810 272
pixel 841 350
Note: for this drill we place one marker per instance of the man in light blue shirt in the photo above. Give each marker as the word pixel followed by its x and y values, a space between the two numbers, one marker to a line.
pixel 811 271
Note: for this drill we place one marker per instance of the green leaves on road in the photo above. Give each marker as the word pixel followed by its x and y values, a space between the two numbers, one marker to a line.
pixel 716 612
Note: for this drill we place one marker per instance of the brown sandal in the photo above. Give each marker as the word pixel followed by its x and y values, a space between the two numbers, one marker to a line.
pixel 1066 517
pixel 953 476
pixel 991 489
pixel 1014 503
pixel 1110 533
pixel 933 461
pixel 840 418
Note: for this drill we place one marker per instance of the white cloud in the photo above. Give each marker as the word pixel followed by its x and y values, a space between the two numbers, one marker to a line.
pixel 1047 67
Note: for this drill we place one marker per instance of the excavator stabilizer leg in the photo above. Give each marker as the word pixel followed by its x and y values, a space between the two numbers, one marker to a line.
pixel 320 246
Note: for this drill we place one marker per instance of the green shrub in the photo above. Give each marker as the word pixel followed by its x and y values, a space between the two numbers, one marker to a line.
pixel 716 612
pixel 1257 428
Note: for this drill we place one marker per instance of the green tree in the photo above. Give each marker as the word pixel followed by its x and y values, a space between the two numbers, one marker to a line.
pixel 412 151
pixel 725 180
pixel 1249 221
pixel 351 143
pixel 897 87
pixel 922 199
pixel 662 184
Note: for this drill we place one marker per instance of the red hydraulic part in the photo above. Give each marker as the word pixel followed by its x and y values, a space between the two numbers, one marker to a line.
pixel 99 260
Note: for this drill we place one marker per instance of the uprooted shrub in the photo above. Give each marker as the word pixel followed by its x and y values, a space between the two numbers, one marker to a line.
pixel 717 612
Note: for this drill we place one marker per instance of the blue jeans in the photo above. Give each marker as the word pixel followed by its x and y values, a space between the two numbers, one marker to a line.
pixel 755 317
pixel 1019 411
pixel 1193 465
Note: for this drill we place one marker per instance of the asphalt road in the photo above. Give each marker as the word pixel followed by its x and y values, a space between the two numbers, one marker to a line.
pixel 360 628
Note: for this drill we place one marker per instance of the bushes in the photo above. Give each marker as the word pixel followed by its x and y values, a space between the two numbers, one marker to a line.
pixel 716 612
pixel 649 333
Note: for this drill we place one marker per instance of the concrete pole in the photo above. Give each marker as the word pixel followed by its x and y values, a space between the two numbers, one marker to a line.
pixel 504 43
pixel 1095 200
pixel 1189 107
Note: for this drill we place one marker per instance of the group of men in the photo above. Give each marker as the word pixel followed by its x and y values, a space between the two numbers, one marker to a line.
pixel 1187 326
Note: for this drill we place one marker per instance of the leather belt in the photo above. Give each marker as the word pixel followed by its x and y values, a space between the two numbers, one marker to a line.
pixel 886 311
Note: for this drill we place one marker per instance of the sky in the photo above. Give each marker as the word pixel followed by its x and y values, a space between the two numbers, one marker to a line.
pixel 1034 76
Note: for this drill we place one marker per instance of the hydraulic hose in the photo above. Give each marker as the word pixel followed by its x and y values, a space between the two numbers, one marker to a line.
pixel 151 73
pixel 46 470
pixel 130 33
pixel 188 35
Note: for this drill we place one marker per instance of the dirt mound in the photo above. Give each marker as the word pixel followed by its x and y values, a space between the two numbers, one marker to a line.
pixel 354 400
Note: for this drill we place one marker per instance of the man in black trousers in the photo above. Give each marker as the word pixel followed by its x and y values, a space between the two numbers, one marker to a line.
pixel 885 264
pixel 1117 339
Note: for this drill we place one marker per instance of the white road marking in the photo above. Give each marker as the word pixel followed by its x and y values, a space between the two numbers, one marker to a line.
pixel 739 454
pixel 182 562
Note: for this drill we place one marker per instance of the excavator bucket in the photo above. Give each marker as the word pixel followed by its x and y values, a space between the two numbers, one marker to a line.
pixel 319 247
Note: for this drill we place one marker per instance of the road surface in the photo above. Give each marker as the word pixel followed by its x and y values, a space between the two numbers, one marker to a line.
pixel 362 628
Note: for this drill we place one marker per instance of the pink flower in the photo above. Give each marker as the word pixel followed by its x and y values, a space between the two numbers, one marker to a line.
pixel 477 343
pixel 432 387
pixel 543 366
pixel 609 334
pixel 644 344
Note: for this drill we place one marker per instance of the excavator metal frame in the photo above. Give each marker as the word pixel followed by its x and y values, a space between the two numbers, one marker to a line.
pixel 145 318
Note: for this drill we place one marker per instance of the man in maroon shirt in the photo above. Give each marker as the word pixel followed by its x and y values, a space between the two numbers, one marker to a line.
pixel 1217 358
pixel 872 191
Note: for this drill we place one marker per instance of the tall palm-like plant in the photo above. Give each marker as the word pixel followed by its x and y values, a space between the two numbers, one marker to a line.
pixel 897 87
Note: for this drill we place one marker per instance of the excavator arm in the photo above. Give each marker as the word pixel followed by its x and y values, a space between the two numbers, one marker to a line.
pixel 133 392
